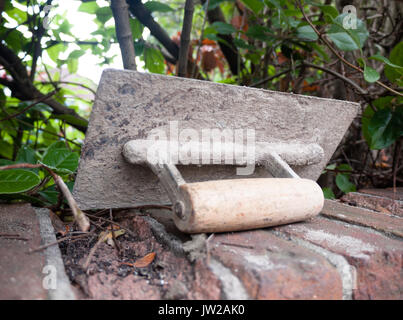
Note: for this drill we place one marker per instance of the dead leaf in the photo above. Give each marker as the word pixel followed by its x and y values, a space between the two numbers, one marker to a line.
pixel 142 262
pixel 240 21
pixel 107 236
pixel 115 227
pixel 208 42
pixel 209 60
pixel 281 58
pixel 382 209
pixel 308 88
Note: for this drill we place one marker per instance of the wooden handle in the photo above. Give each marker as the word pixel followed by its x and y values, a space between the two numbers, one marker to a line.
pixel 240 204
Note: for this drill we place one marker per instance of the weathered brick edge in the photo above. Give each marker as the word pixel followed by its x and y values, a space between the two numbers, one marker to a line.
pixel 53 258
pixel 345 253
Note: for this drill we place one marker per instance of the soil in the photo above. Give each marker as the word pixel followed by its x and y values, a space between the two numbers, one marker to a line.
pixel 170 275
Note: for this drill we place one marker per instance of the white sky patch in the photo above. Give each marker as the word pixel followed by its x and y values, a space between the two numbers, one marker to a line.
pixel 82 27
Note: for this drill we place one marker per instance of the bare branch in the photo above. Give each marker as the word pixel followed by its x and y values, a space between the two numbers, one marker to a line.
pixel 22 87
pixel 144 15
pixel 338 75
pixel 185 38
pixel 124 33
pixel 227 47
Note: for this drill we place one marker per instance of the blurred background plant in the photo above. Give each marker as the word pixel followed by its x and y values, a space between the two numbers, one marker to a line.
pixel 52 53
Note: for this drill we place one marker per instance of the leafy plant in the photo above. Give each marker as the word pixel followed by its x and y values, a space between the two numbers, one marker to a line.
pixel 57 157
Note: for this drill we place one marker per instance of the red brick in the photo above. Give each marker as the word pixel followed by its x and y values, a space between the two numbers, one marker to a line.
pixel 387 193
pixel 272 268
pixel 365 217
pixel 108 287
pixel 377 258
pixel 20 272
pixel 378 203
pixel 205 286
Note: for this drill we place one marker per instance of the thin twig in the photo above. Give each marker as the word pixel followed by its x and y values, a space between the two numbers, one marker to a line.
pixel 258 83
pixel 200 39
pixel 70 83
pixel 28 107
pixel 92 251
pixel 47 131
pixel 115 241
pixel 113 222
pixel 58 241
pixel 396 158
pixel 338 75
pixel 327 43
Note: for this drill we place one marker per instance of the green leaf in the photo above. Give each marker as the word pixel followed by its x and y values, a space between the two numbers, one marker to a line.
pixel 137 28
pixel 242 44
pixel 17 14
pixel 72 65
pixel 331 166
pixel 385 60
pixel 47 135
pixel 27 155
pixel 23 197
pixel 320 51
pixel 344 184
pixel 156 6
pixel 70 119
pixel 104 14
pixel 88 7
pixel 17 180
pixel 59 158
pixel 365 119
pixel 348 39
pixel 139 47
pixel 273 3
pixel 306 32
pixel 51 194
pixel 5 162
pixel 345 167
pixel 212 36
pixel 76 54
pixel 41 107
pixel 55 50
pixel 255 5
pixel 65 27
pixel 258 32
pixel 15 39
pixel 328 193
pixel 154 60
pixel 396 57
pixel 6 149
pixel 215 3
pixel 385 127
pixel 329 10
pixel 371 75
pixel 223 28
